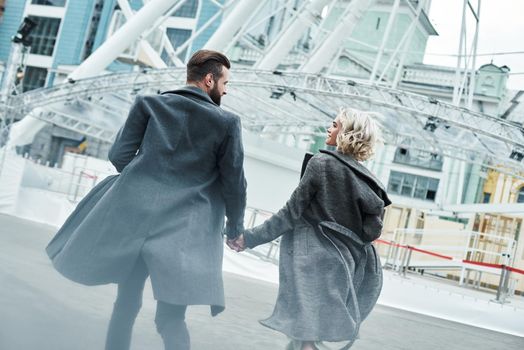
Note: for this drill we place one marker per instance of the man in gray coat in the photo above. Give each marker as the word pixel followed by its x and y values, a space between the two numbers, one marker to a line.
pixel 180 160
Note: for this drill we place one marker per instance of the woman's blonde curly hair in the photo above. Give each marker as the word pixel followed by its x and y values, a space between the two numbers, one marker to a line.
pixel 358 134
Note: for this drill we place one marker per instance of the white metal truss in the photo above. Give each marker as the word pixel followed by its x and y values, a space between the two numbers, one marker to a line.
pixel 74 123
pixel 277 103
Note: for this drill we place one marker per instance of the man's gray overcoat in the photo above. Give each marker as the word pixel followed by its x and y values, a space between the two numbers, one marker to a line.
pixel 180 160
pixel 330 274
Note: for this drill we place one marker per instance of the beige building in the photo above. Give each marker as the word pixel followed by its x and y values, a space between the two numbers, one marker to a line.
pixel 481 237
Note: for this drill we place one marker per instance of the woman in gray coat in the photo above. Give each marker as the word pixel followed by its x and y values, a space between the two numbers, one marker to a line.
pixel 330 273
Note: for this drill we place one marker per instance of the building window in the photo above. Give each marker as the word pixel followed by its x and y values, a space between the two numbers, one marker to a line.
pixel 44 35
pixel 60 3
pixel 486 197
pixel 34 78
pixel 378 23
pixel 420 159
pixel 520 197
pixel 414 186
pixel 187 10
pixel 93 27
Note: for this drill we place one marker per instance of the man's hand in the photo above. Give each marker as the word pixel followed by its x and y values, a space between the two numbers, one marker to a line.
pixel 237 244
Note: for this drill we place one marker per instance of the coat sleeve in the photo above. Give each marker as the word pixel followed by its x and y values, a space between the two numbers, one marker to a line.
pixel 289 215
pixel 129 138
pixel 232 179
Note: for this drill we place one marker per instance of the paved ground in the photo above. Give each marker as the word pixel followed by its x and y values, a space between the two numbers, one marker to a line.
pixel 40 310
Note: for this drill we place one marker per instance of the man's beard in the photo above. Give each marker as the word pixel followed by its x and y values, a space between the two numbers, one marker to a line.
pixel 215 95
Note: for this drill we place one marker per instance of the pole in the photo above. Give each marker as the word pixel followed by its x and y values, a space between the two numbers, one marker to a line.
pixel 408 260
pixel 411 30
pixel 10 71
pixel 503 282
pixel 472 74
pixel 392 16
pixel 464 257
pixel 456 95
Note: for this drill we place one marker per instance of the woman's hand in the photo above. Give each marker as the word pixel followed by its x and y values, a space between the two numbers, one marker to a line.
pixel 237 244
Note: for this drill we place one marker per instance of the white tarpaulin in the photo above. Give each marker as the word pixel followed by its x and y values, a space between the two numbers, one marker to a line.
pixel 10 180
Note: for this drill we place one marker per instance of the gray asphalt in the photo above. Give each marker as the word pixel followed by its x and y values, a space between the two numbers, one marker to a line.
pixel 41 310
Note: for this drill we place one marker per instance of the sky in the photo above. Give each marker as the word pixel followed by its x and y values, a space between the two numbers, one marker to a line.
pixel 501 30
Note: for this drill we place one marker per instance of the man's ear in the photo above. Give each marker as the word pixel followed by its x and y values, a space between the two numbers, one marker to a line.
pixel 208 79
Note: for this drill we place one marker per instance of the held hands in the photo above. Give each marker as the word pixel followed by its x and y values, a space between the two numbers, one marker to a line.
pixel 237 244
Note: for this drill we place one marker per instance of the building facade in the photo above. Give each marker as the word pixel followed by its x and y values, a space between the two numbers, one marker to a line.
pixel 68 31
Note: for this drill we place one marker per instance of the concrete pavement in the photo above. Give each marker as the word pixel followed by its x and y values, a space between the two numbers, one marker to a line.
pixel 41 310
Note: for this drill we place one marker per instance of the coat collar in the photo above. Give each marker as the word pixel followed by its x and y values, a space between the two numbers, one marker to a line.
pixel 362 170
pixel 193 91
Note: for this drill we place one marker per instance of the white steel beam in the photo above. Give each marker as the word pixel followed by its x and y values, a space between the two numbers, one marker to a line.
pixel 231 24
pixel 250 24
pixel 281 46
pixel 122 38
pixel 410 32
pixel 400 47
pixel 324 53
pixel 392 17
pixel 203 27
pixel 153 57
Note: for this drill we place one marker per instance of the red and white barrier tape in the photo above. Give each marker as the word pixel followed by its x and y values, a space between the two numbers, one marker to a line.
pixel 427 252
pixel 89 176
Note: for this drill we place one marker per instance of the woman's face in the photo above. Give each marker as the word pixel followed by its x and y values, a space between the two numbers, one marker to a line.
pixel 332 132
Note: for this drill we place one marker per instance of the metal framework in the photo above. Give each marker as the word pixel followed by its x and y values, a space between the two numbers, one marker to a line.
pixel 279 103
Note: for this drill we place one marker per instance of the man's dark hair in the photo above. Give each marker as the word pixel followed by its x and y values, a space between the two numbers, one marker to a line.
pixel 206 61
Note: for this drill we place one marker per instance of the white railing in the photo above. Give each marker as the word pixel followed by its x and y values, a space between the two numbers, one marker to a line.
pixel 442 78
pixel 268 251
pixel 465 251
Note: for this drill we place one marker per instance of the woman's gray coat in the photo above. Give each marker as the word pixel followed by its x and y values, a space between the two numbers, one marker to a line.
pixel 180 159
pixel 330 274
